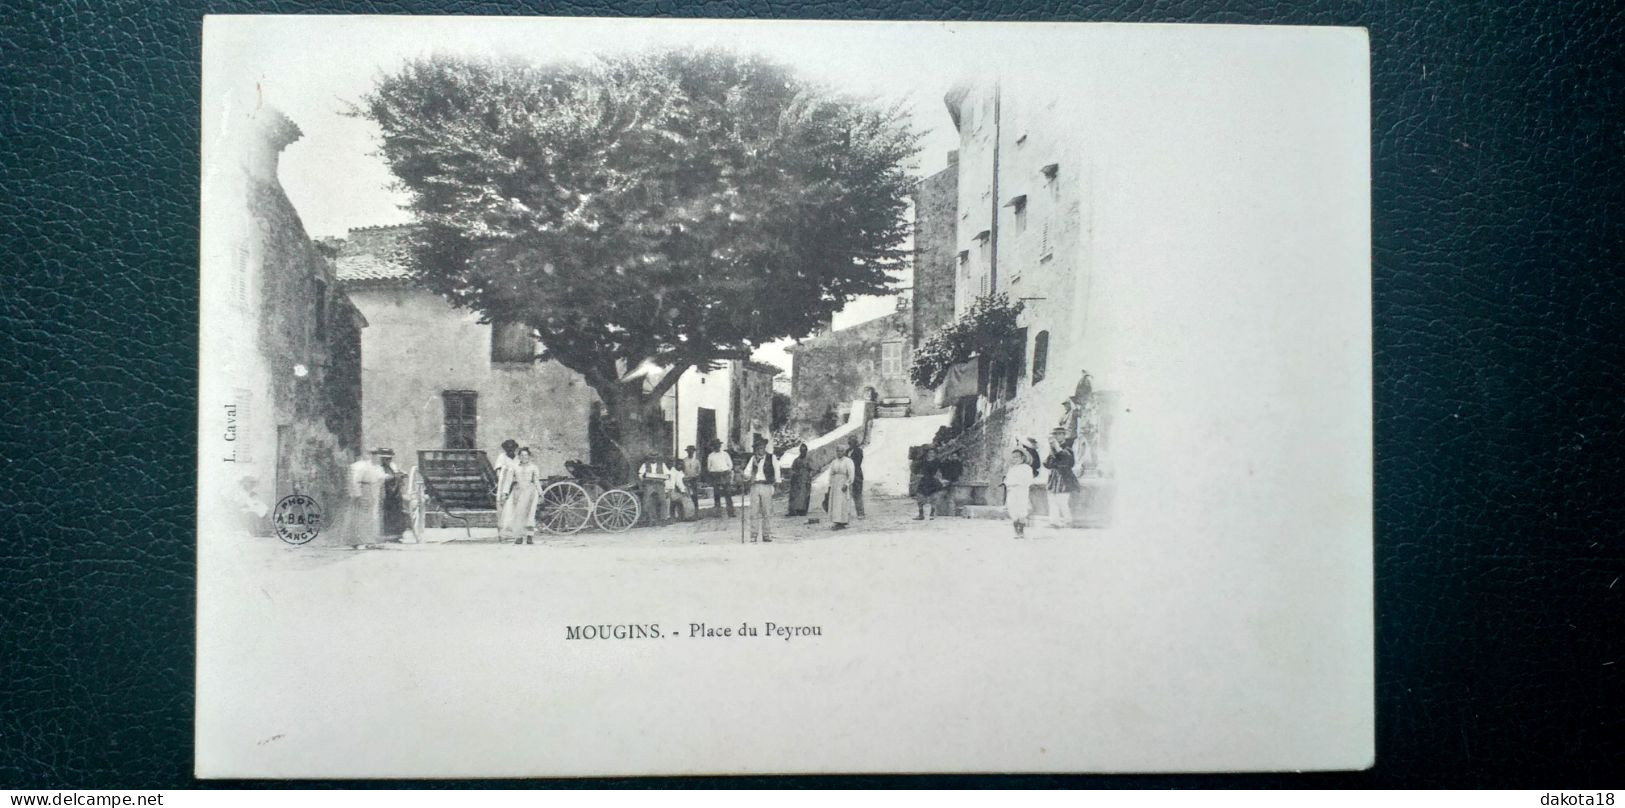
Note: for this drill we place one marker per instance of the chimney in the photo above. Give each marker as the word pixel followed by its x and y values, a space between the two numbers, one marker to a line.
pixel 272 132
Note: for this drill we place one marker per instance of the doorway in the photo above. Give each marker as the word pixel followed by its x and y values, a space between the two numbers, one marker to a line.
pixel 705 428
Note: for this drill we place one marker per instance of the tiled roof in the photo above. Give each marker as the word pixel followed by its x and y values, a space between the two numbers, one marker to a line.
pixel 369 267
pixel 373 255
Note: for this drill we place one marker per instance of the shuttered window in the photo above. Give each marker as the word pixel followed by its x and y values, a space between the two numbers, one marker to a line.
pixel 891 359
pixel 1040 356
pixel 461 418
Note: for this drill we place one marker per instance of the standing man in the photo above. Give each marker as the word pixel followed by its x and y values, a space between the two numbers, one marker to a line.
pixel 762 471
pixel 719 472
pixel 677 492
pixel 693 474
pixel 508 456
pixel 856 456
pixel 655 478
pixel 506 459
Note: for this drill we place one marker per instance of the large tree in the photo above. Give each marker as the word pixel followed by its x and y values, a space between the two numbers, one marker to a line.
pixel 674 208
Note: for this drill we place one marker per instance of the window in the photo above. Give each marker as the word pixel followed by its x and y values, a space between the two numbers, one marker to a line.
pixel 1040 356
pixel 1010 373
pixel 1018 207
pixel 461 419
pixel 891 360
pixel 1046 248
pixel 512 342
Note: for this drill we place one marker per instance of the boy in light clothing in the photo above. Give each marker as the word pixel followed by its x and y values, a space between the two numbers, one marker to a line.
pixel 1018 480
pixel 677 491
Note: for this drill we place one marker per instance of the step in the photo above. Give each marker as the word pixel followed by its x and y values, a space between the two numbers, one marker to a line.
pixel 983 512
pixel 475 518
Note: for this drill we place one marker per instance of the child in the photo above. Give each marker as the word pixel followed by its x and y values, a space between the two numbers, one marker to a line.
pixel 928 492
pixel 1017 498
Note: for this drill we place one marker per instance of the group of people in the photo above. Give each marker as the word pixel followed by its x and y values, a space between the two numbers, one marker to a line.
pixel 1022 475
pixel 377 509
pixel 844 499
pixel 519 486
pixel 845 496
pixel 665 486
pixel 670 489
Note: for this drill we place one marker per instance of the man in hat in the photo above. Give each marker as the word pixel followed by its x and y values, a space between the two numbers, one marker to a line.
pixel 763 473
pixel 654 477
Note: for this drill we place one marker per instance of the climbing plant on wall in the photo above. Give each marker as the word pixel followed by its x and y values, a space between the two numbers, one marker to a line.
pixel 987 329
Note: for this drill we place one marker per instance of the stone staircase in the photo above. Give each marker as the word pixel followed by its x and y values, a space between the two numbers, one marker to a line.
pixel 885 457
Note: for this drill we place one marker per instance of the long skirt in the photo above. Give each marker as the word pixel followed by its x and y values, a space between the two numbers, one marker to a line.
pixel 840 502
pixel 361 521
pixel 800 494
pixel 517 517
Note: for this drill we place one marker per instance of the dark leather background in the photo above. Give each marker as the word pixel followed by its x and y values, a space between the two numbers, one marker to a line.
pixel 1498 320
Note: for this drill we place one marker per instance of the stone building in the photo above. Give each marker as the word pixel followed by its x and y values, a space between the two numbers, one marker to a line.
pixel 435 377
pixel 1024 206
pixel 438 378
pixel 833 368
pixel 280 408
pixel 733 404
pixel 936 264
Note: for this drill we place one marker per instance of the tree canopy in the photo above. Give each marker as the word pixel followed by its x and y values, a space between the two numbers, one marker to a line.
pixel 679 206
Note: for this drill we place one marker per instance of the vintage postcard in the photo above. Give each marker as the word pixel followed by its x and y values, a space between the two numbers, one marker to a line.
pixel 651 397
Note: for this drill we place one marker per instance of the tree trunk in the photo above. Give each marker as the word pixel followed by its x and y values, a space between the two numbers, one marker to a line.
pixel 633 420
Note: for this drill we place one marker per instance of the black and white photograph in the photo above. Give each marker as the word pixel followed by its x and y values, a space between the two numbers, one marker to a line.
pixel 681 397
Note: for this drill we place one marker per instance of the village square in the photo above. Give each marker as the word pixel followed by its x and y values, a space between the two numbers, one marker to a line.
pixel 685 297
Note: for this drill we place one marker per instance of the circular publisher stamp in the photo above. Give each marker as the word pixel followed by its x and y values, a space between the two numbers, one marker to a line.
pixel 298 518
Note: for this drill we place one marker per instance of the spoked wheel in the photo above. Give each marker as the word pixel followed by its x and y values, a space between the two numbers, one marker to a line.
pixel 617 510
pixel 564 507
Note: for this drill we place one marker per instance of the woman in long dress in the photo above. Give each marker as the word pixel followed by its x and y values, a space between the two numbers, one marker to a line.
pixel 840 489
pixel 800 484
pixel 517 490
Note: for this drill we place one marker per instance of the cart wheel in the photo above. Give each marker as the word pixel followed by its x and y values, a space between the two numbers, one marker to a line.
pixel 617 510
pixel 564 507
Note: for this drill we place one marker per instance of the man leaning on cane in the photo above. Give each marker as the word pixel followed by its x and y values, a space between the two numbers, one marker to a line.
pixel 762 471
